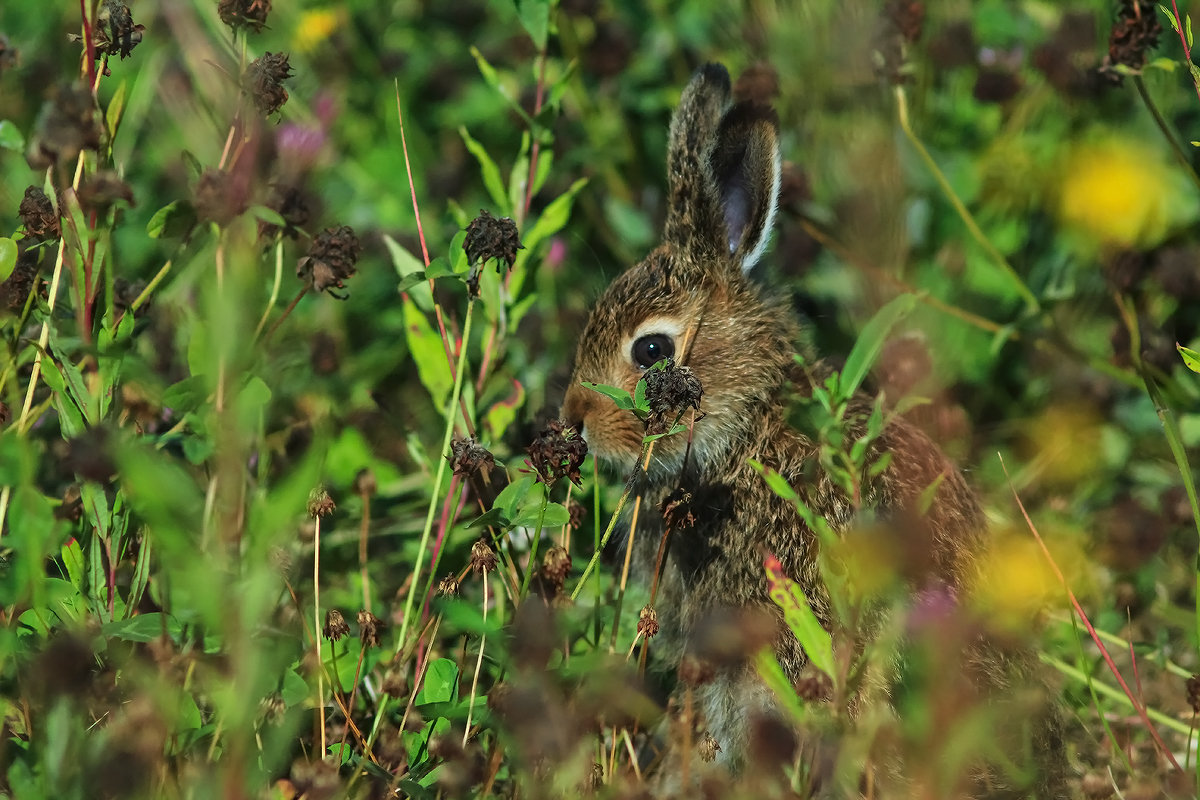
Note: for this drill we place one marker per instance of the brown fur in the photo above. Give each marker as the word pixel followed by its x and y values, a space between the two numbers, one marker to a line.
pixel 740 344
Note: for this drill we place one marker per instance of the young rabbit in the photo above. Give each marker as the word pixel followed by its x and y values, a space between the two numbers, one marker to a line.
pixel 691 300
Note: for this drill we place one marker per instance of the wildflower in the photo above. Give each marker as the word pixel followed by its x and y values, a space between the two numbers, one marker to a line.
pixel 330 260
pixel 39 216
pixel 670 389
pixel 558 451
pixel 336 626
pixel 676 510
pixel 67 125
pixel 320 504
pixel 556 565
pixel 244 13
pixel 291 203
pixel 263 81
pixel 483 557
pixel 448 586
pixel 490 238
pixel 369 628
pixel 113 31
pixel 468 457
pixel 647 622
pixel 315 26
pixel 1133 35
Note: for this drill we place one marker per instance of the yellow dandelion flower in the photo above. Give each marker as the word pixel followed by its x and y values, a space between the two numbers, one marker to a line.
pixel 315 26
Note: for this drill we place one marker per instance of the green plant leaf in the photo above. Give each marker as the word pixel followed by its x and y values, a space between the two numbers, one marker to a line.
pixel 535 17
pixel 556 516
pixel 172 220
pixel 490 172
pixel 116 107
pixel 1190 357
pixel 622 398
pixel 440 684
pixel 142 628
pixel 798 614
pixel 776 482
pixel 513 495
pixel 870 342
pixel 8 258
pixel 10 136
pixel 425 347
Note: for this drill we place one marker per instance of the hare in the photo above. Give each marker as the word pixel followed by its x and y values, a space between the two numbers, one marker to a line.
pixel 692 300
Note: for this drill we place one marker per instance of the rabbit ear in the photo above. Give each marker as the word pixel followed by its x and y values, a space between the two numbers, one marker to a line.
pixel 723 169
pixel 746 166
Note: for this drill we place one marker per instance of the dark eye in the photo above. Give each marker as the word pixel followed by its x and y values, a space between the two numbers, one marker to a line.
pixel 651 349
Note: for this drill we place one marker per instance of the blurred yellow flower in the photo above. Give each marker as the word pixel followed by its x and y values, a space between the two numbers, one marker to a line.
pixel 314 27
pixel 1119 192
pixel 1017 582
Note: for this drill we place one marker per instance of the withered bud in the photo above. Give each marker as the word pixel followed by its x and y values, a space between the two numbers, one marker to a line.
pixel 369 628
pixel 647 622
pixel 38 215
pixel 1134 34
pixel 468 458
pixel 595 779
pixel 556 565
pixel 670 389
pixel 813 686
pixel 113 31
pixel 708 747
pixel 483 557
pixel 578 511
pixel 558 451
pixel 394 683
pixel 271 709
pixel 336 626
pixel 263 81
pixel 365 483
pixel 67 124
pixel 694 671
pixel 101 190
pixel 448 586
pixel 1193 693
pixel 218 197
pixel 330 260
pixel 676 510
pixel 320 504
pixel 490 238
pixel 250 14
pixel 294 205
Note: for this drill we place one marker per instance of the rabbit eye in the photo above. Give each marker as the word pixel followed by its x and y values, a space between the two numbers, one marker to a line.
pixel 649 350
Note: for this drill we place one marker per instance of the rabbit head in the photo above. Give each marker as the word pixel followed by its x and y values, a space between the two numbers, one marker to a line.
pixel 691 299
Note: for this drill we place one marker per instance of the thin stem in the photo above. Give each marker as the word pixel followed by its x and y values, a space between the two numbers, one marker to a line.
pixel 1180 29
pixel 362 550
pixel 478 662
pixel 612 524
pixel 533 547
pixel 274 288
pixel 1031 300
pixel 317 630
pixel 1165 129
pixel 285 313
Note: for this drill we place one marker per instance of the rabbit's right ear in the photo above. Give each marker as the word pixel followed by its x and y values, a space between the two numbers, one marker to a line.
pixel 723 170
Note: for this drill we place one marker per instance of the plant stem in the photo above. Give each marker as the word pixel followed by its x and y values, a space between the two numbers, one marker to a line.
pixel 1163 127
pixel 533 547
pixel 285 313
pixel 317 629
pixel 274 286
pixel 478 663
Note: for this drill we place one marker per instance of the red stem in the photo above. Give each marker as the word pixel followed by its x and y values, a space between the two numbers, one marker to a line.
pixel 89 48
pixel 533 153
pixel 1187 51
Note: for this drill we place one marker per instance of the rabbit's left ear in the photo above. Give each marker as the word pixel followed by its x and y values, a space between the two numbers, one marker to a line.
pixel 745 166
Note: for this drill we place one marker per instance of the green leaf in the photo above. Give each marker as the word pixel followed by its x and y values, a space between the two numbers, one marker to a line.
pixel 622 398
pixel 798 614
pixel 535 17
pixel 8 258
pixel 776 482
pixel 490 172
pixel 552 219
pixel 440 684
pixel 556 516
pixel 116 106
pixel 1170 17
pixel 773 676
pixel 10 136
pixel 439 268
pixel 269 216
pixel 512 495
pixel 294 690
pixel 173 219
pixel 72 557
pixel 678 427
pixel 142 628
pixel 870 342
pixel 1190 357
pixel 493 517
pixel 425 347
pixel 1188 21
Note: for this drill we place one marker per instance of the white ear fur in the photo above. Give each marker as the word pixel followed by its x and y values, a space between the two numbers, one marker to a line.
pixel 768 224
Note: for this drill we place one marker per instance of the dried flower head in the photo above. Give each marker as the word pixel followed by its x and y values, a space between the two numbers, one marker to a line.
pixel 320 504
pixel 813 686
pixel 113 32
pixel 67 125
pixel 647 622
pixel 218 197
pixel 330 260
pixel 558 451
pixel 1193 693
pixel 39 215
pixel 365 483
pixel 291 203
pixel 577 511
pixel 1134 34
pixel 676 510
pixel 468 457
pixel 556 566
pixel 101 190
pixel 483 557
pixel 369 628
pixel 490 238
pixel 250 14
pixel 448 586
pixel 336 626
pixel 670 389
pixel 263 81
pixel 394 683
pixel 708 747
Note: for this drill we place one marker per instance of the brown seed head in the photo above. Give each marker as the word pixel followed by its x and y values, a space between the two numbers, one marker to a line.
pixel 708 747
pixel 676 510
pixel 218 197
pixel 556 565
pixel 364 482
pixel 394 683
pixel 101 190
pixel 113 32
pixel 1134 34
pixel 578 511
pixel 647 622
pixel 813 686
pixel 336 626
pixel 330 260
pixel 490 238
pixel 468 458
pixel 38 215
pixel 320 504
pixel 292 203
pixel 369 628
pixel 5 413
pixel 670 389
pixel 558 451
pixel 67 124
pixel 263 81
pixel 448 586
pixel 483 557
pixel 1193 693
pixel 250 14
